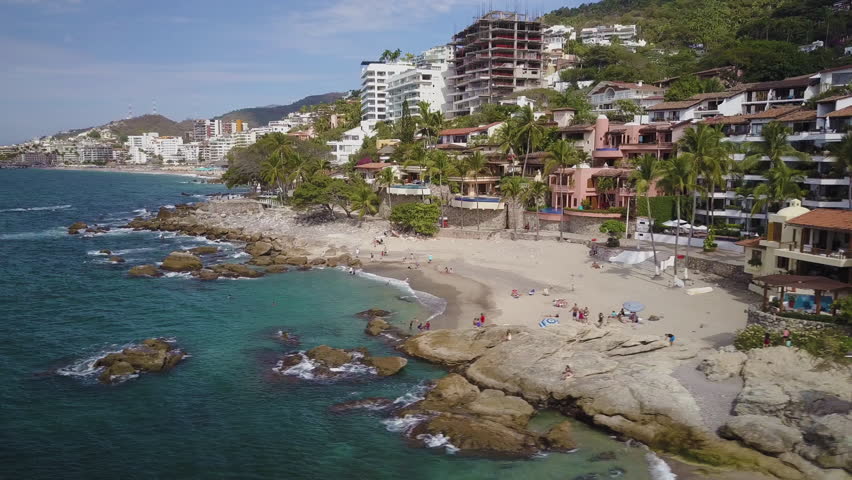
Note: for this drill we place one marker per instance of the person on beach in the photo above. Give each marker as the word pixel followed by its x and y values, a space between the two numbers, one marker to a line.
pixel 420 327
pixel 785 335
pixel 586 312
pixel 766 340
pixel 371 256
pixel 567 373
pixel 482 319
pixel 411 326
pixel 575 311
pixel 600 319
pixel 508 336
pixel 671 338
pixel 357 252
pixel 476 322
pixel 430 258
pixel 428 325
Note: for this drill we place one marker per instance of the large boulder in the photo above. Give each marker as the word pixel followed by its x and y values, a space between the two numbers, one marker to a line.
pixel 258 249
pixel 204 250
pixel 116 369
pixel 560 437
pixel 236 270
pixel 766 434
pixel 261 261
pixel 722 365
pixel 207 275
pixel 376 326
pixel 181 262
pixel 450 391
pixel 506 409
pixel 152 355
pixel 277 269
pixel 298 261
pixel 386 366
pixel 145 271
pixel 479 435
pixel 328 356
pixel 829 441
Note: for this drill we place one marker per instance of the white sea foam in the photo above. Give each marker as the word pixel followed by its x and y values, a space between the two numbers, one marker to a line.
pixel 85 367
pixel 177 275
pixel 403 424
pixel 303 369
pixel 434 304
pixel 436 441
pixel 141 211
pixel 34 209
pixel 51 233
pixel 659 469
pixel 126 251
pixel 412 396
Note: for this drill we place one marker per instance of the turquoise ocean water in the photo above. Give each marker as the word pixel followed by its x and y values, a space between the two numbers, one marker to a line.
pixel 223 412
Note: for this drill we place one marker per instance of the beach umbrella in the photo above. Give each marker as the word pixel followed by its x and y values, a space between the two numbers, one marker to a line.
pixel 548 321
pixel 701 228
pixel 673 223
pixel 632 306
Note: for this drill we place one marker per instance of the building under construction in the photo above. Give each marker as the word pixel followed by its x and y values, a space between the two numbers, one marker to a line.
pixel 500 53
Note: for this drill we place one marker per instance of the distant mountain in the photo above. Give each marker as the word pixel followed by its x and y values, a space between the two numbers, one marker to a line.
pixel 150 123
pixel 257 116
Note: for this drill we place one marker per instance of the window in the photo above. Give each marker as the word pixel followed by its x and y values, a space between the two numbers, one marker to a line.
pixel 782 262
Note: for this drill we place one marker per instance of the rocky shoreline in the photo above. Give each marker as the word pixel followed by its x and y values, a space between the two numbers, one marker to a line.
pixel 789 425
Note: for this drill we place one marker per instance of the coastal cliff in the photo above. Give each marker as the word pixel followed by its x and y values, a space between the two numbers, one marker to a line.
pixel 626 383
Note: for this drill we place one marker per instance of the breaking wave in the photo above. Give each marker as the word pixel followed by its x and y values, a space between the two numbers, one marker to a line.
pixel 34 209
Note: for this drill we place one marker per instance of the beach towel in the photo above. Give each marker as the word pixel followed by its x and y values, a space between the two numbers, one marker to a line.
pixel 548 321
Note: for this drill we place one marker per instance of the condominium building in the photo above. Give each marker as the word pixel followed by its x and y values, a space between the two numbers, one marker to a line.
pixel 555 37
pixel 790 91
pixel 604 95
pixel 605 34
pixel 374 96
pixel 422 84
pixel 217 149
pixel 350 143
pixel 442 55
pixel 236 126
pixel 499 54
pixel 206 129
pixel 98 154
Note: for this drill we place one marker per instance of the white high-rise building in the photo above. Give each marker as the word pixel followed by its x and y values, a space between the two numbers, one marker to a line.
pixel 422 84
pixel 374 76
pixel 555 36
pixel 219 147
pixel 351 142
pixel 140 147
pixel 206 129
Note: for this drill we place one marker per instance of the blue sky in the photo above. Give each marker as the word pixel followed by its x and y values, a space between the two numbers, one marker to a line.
pixel 77 63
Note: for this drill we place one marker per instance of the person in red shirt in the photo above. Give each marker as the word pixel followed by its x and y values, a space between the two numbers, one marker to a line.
pixel 481 319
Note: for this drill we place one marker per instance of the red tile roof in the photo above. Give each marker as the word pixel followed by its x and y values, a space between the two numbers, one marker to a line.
pixel 728 120
pixel 844 67
pixel 843 112
pixel 826 218
pixel 373 166
pixel 800 81
pixel 773 112
pixel 834 98
pixel 749 242
pixel 674 105
pixel 798 116
pixel 467 131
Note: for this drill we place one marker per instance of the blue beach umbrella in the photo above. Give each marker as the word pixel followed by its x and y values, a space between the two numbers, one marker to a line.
pixel 632 306
pixel 548 321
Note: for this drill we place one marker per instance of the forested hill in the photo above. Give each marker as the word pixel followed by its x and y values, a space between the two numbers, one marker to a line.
pixel 259 116
pixel 760 36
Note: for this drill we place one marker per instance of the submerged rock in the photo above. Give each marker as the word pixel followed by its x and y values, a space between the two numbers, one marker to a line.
pixel 386 366
pixel 373 312
pixel 204 250
pixel 75 228
pixel 362 404
pixel 105 252
pixel 560 437
pixel 258 249
pixel 181 262
pixel 116 259
pixel 277 269
pixel 207 275
pixel 236 270
pixel 377 325
pixel 328 356
pixel 145 271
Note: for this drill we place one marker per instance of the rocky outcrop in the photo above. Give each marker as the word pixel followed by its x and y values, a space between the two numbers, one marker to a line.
pixel 181 262
pixel 377 325
pixel 204 250
pixel 261 261
pixel 75 228
pixel 145 271
pixel 116 259
pixel 617 380
pixel 477 435
pixel 152 355
pixel 386 366
pixel 276 269
pixel 105 252
pixel 362 404
pixel 560 437
pixel 297 261
pixel 208 275
pixel 766 434
pixel 236 270
pixel 258 249
pixel 328 356
pixel 722 365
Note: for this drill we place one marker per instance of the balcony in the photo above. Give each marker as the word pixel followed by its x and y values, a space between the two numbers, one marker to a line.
pixel 411 189
pixel 833 258
pixel 825 202
pixel 827 181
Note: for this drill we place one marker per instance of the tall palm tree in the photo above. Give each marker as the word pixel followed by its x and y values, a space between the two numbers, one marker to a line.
pixel 528 129
pixel 534 194
pixel 676 177
pixel 364 201
pixel 646 174
pixel 702 145
pixel 385 178
pixel 439 165
pixel 474 165
pixel 512 189
pixel 562 155
pixel 459 165
pixel 843 152
pixel 273 171
pixel 416 156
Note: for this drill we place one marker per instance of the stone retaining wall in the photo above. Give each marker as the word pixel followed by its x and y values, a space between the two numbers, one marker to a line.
pixel 778 324
pixel 735 273
pixel 486 219
pixel 231 206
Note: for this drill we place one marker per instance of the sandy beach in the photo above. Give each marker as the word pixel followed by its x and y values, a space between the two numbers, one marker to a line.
pixel 183 171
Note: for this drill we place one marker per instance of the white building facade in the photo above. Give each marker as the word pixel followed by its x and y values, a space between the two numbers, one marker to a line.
pixel 342 150
pixel 374 96
pixel 422 84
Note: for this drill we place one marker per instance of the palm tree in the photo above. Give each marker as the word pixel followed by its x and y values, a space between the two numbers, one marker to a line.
pixel 647 172
pixel 605 184
pixel 417 157
pixel 273 171
pixel 474 165
pixel 385 178
pixel 843 152
pixel 512 189
pixel 440 165
pixel 676 177
pixel 364 201
pixel 782 184
pixel 529 130
pixel 534 194
pixel 702 145
pixel 562 155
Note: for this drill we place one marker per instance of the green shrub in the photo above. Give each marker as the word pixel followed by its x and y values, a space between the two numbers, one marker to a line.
pixel 420 218
pixel 664 209
pixel 841 320
pixel 844 309
pixel 755 262
pixel 828 343
pixel 710 241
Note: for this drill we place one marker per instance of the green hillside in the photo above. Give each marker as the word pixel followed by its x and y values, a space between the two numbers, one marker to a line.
pixel 150 123
pixel 760 36
pixel 258 116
